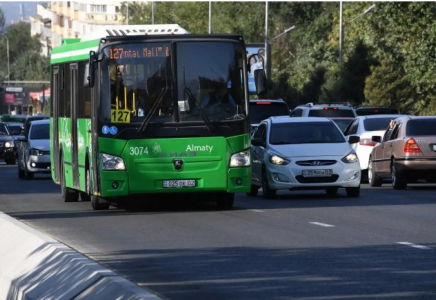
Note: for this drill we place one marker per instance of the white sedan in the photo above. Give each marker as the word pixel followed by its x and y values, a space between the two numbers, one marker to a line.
pixel 307 153
pixel 365 127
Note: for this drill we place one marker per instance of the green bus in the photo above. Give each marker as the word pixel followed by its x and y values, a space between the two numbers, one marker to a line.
pixel 129 120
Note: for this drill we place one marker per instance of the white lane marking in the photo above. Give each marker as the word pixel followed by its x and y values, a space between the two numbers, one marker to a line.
pixel 414 245
pixel 322 224
pixel 257 210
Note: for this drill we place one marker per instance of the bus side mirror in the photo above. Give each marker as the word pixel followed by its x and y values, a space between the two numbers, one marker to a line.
pixel 260 81
pixel 90 76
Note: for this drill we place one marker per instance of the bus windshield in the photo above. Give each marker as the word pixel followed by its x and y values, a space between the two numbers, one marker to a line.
pixel 141 82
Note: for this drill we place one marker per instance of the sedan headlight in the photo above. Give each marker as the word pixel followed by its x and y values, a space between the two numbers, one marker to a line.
pixel 240 159
pixel 36 152
pixel 111 162
pixel 278 160
pixel 9 144
pixel 350 158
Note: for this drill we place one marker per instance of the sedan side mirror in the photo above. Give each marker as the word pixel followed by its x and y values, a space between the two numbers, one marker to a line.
pixel 353 139
pixel 376 138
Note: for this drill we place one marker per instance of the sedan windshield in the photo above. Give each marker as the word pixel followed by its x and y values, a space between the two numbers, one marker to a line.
pixel 421 127
pixel 141 82
pixel 305 133
pixel 40 132
pixel 376 124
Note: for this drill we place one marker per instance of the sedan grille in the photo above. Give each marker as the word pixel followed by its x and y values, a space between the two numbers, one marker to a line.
pixel 302 179
pixel 314 163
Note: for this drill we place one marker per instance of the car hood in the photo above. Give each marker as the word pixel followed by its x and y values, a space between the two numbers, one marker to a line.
pixel 43 145
pixel 306 150
pixel 5 138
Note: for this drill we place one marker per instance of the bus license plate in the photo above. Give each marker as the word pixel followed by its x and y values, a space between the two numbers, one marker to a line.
pixel 317 173
pixel 178 183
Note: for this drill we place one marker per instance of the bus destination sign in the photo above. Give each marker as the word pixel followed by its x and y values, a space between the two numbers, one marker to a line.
pixel 138 51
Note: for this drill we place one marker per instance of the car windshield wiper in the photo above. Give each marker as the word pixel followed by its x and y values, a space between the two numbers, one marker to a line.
pixel 192 102
pixel 153 110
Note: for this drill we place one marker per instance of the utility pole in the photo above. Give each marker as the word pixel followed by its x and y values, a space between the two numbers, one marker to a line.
pixel 341 34
pixel 210 17
pixel 266 62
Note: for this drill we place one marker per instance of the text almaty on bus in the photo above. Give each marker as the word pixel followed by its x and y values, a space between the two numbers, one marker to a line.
pixel 128 117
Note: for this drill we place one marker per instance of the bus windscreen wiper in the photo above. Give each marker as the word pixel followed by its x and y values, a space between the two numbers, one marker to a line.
pixel 192 102
pixel 153 110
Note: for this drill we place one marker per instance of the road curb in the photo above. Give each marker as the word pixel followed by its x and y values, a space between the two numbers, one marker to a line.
pixel 36 266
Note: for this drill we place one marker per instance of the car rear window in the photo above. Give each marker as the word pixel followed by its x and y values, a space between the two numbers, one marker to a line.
pixel 305 133
pixel 40 132
pixel 421 127
pixel 376 124
pixel 332 112
pixel 377 111
pixel 264 109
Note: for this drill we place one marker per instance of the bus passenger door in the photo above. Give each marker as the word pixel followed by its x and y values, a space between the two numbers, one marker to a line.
pixel 55 123
pixel 74 113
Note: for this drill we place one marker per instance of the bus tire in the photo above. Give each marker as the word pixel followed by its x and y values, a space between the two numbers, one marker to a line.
pixel 85 196
pixel 69 195
pixel 226 201
pixel 98 203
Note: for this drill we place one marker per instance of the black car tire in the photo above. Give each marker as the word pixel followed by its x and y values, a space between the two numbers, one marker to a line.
pixel 373 179
pixel 399 181
pixel 20 173
pixel 267 191
pixel 27 174
pixel 254 190
pixel 353 191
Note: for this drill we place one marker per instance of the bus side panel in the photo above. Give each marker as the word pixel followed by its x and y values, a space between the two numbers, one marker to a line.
pixel 65 146
pixel 83 144
pixel 238 144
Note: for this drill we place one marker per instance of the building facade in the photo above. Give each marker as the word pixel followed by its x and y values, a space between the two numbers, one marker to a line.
pixel 72 19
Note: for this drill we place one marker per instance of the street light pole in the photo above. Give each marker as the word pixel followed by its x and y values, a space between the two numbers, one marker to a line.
pixel 341 35
pixel 266 62
pixel 9 72
pixel 284 32
pixel 341 27
pixel 210 17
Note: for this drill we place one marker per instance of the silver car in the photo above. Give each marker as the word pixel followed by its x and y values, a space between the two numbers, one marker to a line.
pixel 34 150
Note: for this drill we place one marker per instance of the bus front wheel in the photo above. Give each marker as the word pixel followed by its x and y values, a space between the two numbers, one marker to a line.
pixel 98 203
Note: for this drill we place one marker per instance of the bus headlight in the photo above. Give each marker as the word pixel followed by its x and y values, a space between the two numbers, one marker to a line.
pixel 240 159
pixel 111 162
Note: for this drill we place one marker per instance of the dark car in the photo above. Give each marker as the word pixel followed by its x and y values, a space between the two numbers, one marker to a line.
pixel 8 147
pixel 376 110
pixel 326 110
pixel 29 119
pixel 263 109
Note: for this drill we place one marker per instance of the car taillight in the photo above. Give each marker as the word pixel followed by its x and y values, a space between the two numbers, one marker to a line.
pixel 411 146
pixel 367 142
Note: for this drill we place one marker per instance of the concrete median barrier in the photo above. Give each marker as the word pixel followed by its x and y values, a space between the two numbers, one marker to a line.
pixel 36 266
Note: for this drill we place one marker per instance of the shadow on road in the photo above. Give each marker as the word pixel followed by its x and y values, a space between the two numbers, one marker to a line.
pixel 388 272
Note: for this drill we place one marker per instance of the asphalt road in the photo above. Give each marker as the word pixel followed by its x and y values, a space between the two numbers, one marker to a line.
pixel 302 245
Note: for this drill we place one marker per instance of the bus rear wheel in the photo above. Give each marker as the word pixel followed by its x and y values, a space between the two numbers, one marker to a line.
pixel 85 196
pixel 69 195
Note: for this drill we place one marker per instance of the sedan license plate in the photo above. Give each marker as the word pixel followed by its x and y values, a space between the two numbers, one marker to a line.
pixel 179 183
pixel 317 173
